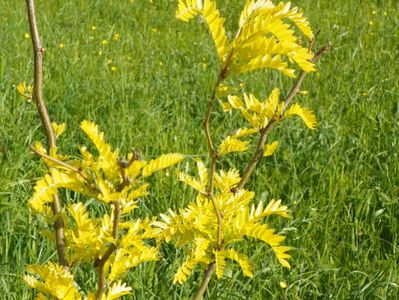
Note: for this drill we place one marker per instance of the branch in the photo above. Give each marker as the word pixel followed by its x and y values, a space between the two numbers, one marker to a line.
pixel 213 155
pixel 59 162
pixel 100 263
pixel 38 97
pixel 205 282
pixel 257 156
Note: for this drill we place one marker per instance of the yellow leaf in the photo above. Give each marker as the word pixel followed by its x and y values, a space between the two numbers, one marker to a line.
pixel 220 263
pixel 58 128
pixel 306 115
pixel 232 144
pixel 108 159
pixel 242 260
pixel 162 162
pixel 270 149
pixel 187 9
pixel 56 282
pixel 47 187
pixel 118 289
pixel 245 132
pixel 184 270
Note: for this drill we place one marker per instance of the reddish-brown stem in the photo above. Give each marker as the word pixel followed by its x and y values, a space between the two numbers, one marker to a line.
pixel 100 263
pixel 38 98
pixel 258 154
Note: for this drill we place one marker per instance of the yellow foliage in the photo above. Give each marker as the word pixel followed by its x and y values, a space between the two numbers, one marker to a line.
pixel 196 227
pixel 56 282
pixel 270 149
pixel 232 144
pixel 48 186
pixel 162 162
pixel 188 9
pixel 107 159
pixel 220 263
pixel 264 37
pixel 116 290
pixel 257 113
pixel 184 270
pixel 58 128
pixel 304 113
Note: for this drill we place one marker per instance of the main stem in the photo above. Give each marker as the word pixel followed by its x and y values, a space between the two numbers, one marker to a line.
pixel 101 263
pixel 38 98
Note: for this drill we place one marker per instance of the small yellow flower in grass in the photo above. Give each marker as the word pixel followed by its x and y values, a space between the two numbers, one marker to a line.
pixel 117 37
pixel 104 42
pixel 27 35
pixel 242 85
pixel 283 284
pixel 93 27
pixel 100 53
pixel 304 93
pixel 61 45
pixel 154 30
pixel 374 12
pixel 204 66
pixel 114 69
pixel 25 90
pixel 151 1
pixel 160 63
pixel 371 23
pixel 385 13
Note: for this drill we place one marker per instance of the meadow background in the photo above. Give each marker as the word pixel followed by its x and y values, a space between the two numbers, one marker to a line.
pixel 144 77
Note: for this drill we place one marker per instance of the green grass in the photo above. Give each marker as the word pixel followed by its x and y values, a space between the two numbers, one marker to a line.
pixel 341 180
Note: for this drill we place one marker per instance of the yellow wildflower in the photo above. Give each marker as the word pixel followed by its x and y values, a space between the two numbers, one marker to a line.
pixel 25 90
pixel 104 42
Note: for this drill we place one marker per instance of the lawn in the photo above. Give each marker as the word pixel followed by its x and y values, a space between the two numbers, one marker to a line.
pixel 145 78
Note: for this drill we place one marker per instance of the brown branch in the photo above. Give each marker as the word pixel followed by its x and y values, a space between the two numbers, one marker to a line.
pixel 213 155
pixel 38 97
pixel 59 162
pixel 258 155
pixel 205 282
pixel 100 263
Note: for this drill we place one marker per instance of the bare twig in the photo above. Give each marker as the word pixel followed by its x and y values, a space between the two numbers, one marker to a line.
pixel 258 154
pixel 59 162
pixel 38 97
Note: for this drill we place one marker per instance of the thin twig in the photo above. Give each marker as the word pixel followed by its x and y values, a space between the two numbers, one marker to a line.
pixel 258 154
pixel 59 162
pixel 101 262
pixel 213 155
pixel 38 97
